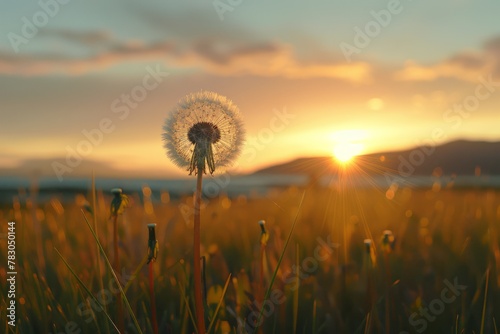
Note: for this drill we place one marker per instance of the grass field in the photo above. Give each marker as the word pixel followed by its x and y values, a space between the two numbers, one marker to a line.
pixel 440 274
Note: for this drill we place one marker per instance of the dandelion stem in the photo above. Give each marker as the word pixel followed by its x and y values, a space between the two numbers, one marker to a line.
pixel 152 254
pixel 387 294
pixel 115 243
pixel 261 289
pixel 204 279
pixel 152 296
pixel 121 321
pixel 263 242
pixel 98 253
pixel 198 299
pixel 261 278
pixel 485 299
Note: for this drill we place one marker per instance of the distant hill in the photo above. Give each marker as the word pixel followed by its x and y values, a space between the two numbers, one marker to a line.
pixel 312 165
pixel 458 157
pixel 51 167
pixel 45 167
pixel 454 158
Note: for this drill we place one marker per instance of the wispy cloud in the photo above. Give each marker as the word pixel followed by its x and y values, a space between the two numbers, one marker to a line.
pixel 268 60
pixel 35 64
pixel 86 38
pixel 465 66
pixel 213 55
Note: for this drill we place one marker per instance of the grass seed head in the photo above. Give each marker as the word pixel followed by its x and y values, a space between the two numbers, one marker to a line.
pixel 116 191
pixel 119 202
pixel 264 236
pixel 368 245
pixel 152 243
pixel 388 241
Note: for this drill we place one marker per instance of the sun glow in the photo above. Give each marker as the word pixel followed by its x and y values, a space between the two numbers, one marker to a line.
pixel 347 145
pixel 344 152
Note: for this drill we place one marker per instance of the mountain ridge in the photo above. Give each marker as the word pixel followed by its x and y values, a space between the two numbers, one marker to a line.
pixel 460 157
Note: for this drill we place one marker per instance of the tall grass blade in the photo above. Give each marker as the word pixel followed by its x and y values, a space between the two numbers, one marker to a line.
pixel 296 292
pixel 98 255
pixel 85 288
pixel 152 298
pixel 214 319
pixel 314 317
pixel 136 273
pixel 117 281
pixel 367 324
pixel 149 325
pixel 184 298
pixel 275 273
pixel 485 300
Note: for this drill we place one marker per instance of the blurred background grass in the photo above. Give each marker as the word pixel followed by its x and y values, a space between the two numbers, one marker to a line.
pixel 439 234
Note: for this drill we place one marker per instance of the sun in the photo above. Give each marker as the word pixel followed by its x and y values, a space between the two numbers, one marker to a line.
pixel 347 144
pixel 344 152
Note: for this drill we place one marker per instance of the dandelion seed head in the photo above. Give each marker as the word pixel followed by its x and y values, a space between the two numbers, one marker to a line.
pixel 204 129
pixel 264 236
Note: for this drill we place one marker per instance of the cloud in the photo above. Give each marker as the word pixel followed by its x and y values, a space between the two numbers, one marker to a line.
pixel 115 53
pixel 465 66
pixel 213 55
pixel 493 46
pixel 269 60
pixel 183 38
pixel 87 38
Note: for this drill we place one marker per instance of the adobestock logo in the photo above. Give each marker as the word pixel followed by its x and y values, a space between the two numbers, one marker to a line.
pixel 453 118
pixel 420 320
pixel 30 27
pixel 292 279
pixel 254 144
pixel 121 107
pixel 372 29
pixel 222 6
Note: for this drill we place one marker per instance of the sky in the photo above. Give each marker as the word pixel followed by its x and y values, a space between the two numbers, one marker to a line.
pixel 94 81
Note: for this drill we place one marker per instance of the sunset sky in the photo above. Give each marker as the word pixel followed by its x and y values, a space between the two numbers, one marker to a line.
pixel 308 77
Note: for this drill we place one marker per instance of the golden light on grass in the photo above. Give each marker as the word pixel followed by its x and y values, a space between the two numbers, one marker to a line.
pixel 370 287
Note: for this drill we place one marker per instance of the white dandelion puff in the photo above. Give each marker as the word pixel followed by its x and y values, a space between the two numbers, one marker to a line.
pixel 204 129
